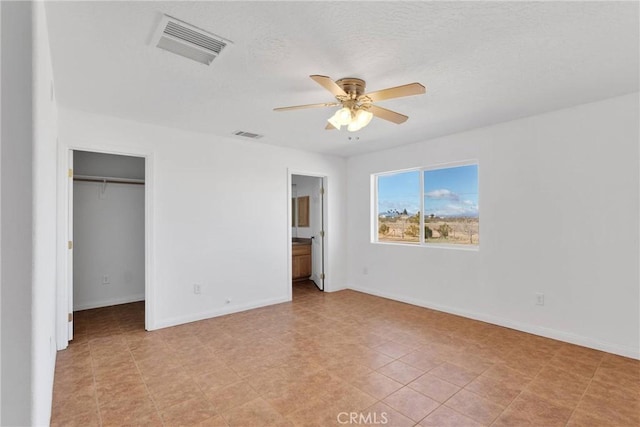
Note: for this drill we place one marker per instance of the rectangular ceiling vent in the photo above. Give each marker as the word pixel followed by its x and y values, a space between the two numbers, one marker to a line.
pixel 188 41
pixel 247 134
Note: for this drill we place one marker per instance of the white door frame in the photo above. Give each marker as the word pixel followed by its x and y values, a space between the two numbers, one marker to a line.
pixel 69 252
pixel 64 279
pixel 325 185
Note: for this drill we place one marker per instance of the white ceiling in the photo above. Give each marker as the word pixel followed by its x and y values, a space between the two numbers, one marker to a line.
pixel 482 63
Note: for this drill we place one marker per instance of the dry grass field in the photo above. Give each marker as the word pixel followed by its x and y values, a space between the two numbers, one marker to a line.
pixel 404 228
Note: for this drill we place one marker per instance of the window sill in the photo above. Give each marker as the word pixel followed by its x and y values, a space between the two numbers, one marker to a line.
pixel 475 248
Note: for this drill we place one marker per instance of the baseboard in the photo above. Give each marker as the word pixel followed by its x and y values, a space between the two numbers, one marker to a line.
pixel 174 321
pixel 109 302
pixel 568 337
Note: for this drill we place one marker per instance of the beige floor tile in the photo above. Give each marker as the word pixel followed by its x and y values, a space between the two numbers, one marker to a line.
pixel 126 410
pixel 349 398
pixel 228 397
pixel 76 419
pixel 189 412
pixel 454 374
pixel 475 407
pixel 255 413
pixel 377 385
pixel 447 417
pixel 616 404
pixel 294 398
pixel 531 410
pixel 401 372
pixel 500 391
pixel 381 414
pixel 393 349
pixel 559 386
pixel 434 387
pixel 325 354
pixel 411 403
pixel 170 393
pixel 215 421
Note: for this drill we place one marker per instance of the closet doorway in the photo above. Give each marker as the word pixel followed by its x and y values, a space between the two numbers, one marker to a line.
pixel 107 231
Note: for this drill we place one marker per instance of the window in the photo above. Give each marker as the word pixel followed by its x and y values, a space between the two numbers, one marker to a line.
pixel 398 207
pixel 448 196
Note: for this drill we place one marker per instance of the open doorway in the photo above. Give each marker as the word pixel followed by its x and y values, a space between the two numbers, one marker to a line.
pixel 307 232
pixel 107 230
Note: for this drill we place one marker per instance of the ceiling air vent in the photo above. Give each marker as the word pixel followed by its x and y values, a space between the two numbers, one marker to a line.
pixel 247 134
pixel 186 40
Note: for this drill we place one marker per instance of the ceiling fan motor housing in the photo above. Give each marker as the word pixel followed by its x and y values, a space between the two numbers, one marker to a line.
pixel 354 87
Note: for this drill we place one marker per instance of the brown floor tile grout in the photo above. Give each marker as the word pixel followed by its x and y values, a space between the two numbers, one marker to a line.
pixel 95 387
pixel 517 396
pixel 585 391
pixel 524 389
pixel 155 405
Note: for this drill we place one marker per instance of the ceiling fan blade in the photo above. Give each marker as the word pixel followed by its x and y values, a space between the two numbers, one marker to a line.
pixel 329 84
pixel 389 115
pixel 329 126
pixel 396 92
pixel 300 107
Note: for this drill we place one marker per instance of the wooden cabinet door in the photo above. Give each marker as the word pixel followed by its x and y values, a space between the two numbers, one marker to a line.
pixel 305 265
pixel 296 266
pixel 301 262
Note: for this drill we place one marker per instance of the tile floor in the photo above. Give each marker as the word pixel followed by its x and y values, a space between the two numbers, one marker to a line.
pixel 342 358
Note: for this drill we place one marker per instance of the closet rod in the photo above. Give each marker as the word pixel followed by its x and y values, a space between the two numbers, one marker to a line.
pixel 108 180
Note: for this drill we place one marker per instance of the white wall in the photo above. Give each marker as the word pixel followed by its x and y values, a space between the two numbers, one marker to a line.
pixel 558 214
pixel 16 221
pixel 108 238
pixel 218 212
pixel 44 222
pixel 1 335
pixel 107 165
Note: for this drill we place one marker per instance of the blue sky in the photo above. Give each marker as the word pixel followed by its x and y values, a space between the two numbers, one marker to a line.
pixel 448 192
pixel 399 191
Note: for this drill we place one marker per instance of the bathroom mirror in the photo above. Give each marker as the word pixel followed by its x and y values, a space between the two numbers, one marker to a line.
pixel 303 211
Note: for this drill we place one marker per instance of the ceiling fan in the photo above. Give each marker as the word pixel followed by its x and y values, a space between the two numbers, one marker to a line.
pixel 357 106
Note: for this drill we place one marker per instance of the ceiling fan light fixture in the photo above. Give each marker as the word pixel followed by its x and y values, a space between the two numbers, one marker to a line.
pixel 361 119
pixel 344 116
pixel 354 119
pixel 333 120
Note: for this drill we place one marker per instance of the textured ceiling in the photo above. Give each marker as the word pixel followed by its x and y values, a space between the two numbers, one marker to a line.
pixel 482 63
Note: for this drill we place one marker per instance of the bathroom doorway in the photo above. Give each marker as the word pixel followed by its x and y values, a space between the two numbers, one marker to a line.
pixel 307 222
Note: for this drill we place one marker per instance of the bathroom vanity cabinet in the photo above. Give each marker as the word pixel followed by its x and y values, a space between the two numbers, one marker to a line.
pixel 301 262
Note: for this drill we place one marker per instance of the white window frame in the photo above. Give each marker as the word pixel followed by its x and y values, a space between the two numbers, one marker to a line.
pixel 421 242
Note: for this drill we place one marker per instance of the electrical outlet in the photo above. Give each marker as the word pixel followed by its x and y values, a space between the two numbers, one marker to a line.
pixel 228 301
pixel 365 271
pixel 105 279
pixel 196 288
pixel 539 299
